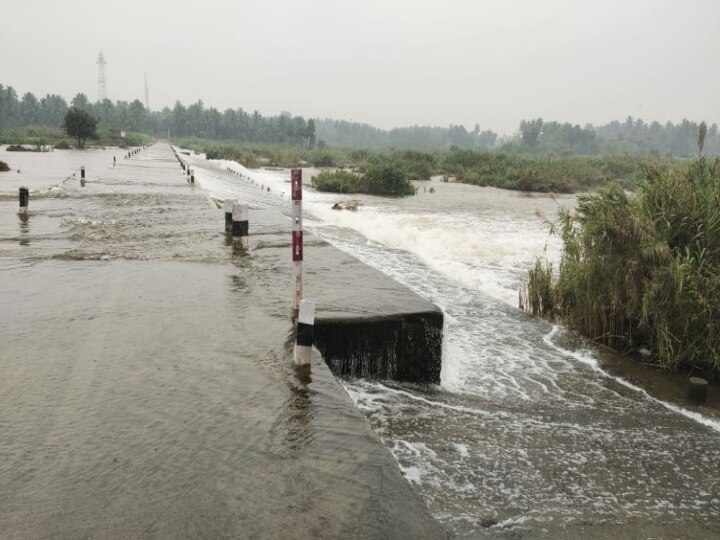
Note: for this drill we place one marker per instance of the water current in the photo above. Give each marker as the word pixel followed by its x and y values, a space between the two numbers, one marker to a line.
pixel 530 433
pixel 527 434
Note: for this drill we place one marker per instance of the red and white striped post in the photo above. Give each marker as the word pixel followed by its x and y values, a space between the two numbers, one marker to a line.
pixel 297 234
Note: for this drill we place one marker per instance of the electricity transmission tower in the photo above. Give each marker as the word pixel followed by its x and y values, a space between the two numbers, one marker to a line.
pixel 147 104
pixel 102 83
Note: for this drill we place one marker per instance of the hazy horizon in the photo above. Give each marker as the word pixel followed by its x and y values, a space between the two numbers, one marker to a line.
pixel 388 64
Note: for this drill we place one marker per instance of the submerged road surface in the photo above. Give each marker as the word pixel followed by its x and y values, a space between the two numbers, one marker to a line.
pixel 146 387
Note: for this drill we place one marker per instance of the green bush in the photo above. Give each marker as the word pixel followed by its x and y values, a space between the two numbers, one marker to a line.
pixel 322 158
pixel 337 182
pixel 387 180
pixel 378 180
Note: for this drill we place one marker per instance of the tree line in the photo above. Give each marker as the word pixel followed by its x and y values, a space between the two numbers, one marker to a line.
pixel 195 120
pixel 344 134
pixel 633 137
pixel 535 136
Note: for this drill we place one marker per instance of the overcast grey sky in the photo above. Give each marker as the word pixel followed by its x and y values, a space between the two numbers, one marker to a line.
pixel 385 62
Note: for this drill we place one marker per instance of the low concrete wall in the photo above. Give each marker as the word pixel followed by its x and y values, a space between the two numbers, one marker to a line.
pixel 403 347
pixel 367 324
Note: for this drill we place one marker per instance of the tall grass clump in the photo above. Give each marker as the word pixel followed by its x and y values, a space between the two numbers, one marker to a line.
pixel 644 270
pixel 538 295
pixel 337 182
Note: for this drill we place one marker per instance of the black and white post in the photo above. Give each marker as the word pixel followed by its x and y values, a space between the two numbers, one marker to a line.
pixel 24 200
pixel 82 176
pixel 297 234
pixel 302 354
pixel 240 227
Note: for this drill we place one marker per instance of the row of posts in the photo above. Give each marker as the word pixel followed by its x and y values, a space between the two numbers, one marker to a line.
pixel 237 220
pixel 134 151
pixel 24 194
pixel 237 225
pixel 185 167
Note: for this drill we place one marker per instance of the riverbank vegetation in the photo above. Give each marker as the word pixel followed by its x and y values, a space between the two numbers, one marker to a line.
pixel 522 172
pixel 642 271
pixel 39 137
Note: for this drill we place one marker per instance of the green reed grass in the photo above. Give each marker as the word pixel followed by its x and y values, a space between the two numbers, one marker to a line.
pixel 644 270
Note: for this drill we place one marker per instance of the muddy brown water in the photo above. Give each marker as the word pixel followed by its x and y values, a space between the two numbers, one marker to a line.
pixel 146 386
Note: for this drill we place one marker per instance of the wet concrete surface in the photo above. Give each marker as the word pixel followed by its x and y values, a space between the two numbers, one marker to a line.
pixel 147 387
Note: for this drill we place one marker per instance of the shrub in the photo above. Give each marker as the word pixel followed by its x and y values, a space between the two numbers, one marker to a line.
pixel 387 180
pixel 378 180
pixel 338 182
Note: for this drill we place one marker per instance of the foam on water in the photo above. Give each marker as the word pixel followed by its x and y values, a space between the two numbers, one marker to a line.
pixel 474 249
pixel 586 357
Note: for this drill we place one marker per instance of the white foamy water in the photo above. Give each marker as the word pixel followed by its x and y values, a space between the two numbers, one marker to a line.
pixel 486 247
pixel 526 431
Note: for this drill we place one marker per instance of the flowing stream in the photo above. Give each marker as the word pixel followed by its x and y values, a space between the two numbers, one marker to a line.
pixel 527 432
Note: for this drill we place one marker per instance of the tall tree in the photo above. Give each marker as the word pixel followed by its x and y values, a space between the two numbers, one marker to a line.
pixel 136 115
pixel 80 124
pixel 53 109
pixel 80 101
pixel 30 110
pixel 530 131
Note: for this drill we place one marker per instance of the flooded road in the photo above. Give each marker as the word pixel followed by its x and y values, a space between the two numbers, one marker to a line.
pixel 146 381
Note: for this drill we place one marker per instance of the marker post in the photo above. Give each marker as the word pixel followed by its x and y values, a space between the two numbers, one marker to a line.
pixel 240 229
pixel 297 234
pixel 24 200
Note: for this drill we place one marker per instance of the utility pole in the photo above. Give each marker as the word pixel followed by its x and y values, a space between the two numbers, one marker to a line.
pixel 147 102
pixel 102 82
